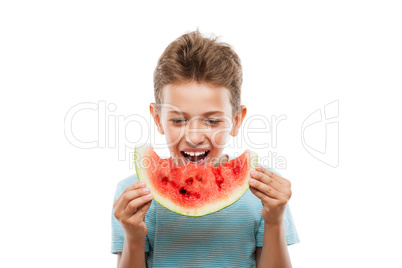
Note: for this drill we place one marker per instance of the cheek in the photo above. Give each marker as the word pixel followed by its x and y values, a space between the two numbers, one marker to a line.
pixel 173 135
pixel 219 138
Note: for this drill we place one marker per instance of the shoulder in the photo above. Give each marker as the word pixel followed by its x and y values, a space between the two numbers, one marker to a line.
pixel 128 181
pixel 123 184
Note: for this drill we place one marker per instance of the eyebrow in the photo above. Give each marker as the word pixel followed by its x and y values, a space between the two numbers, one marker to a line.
pixel 204 114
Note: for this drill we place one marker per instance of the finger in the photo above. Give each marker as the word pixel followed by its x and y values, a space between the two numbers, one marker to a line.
pixel 273 175
pixel 134 205
pixel 282 180
pixel 140 214
pixel 271 202
pixel 265 189
pixel 132 195
pixel 136 185
pixel 126 198
pixel 262 177
pixel 265 171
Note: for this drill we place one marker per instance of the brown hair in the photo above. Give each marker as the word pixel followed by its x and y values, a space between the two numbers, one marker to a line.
pixel 192 57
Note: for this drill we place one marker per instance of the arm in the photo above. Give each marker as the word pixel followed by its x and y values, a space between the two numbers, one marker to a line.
pixel 129 210
pixel 274 252
pixel 274 193
pixel 130 260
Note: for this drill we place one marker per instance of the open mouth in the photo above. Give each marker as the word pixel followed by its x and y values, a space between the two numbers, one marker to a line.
pixel 195 157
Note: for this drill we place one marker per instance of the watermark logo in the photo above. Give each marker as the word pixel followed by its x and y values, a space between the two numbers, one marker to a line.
pixel 112 128
pixel 271 159
pixel 109 129
pixel 320 134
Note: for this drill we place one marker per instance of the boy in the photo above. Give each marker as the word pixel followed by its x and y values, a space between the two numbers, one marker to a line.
pixel 197 85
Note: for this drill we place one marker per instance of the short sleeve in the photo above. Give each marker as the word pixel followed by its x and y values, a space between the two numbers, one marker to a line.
pixel 290 229
pixel 117 229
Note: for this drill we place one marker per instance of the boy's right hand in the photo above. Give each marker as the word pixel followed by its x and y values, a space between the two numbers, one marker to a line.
pixel 130 209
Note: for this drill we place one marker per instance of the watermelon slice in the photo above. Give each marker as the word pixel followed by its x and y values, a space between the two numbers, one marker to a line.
pixel 194 190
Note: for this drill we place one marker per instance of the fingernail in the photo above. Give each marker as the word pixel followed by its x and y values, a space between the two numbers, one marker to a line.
pixel 146 190
pixel 252 181
pixel 257 167
pixel 149 196
pixel 142 184
pixel 253 173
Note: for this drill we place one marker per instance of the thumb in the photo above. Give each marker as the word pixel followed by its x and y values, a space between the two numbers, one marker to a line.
pixel 140 214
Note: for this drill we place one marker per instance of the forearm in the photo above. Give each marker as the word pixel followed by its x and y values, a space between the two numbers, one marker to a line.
pixel 133 255
pixel 274 252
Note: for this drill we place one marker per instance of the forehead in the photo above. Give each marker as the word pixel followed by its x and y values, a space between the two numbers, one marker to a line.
pixel 196 98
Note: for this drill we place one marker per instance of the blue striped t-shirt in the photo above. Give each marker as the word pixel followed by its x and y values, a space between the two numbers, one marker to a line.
pixel 226 238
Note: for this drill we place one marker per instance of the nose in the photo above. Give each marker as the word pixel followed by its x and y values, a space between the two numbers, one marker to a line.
pixel 196 132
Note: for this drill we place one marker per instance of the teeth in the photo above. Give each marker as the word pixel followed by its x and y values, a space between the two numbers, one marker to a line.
pixel 195 153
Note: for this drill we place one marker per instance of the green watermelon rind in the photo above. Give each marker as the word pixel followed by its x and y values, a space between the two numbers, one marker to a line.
pixel 141 151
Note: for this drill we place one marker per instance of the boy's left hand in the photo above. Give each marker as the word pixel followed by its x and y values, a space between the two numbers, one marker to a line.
pixel 274 193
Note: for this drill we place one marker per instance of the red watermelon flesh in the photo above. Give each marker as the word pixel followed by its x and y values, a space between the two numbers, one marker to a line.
pixel 194 190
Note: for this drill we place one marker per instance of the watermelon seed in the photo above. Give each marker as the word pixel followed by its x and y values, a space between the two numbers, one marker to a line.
pixel 183 191
pixel 189 181
pixel 200 179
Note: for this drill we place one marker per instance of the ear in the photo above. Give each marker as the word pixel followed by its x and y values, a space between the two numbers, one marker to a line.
pixel 238 120
pixel 157 117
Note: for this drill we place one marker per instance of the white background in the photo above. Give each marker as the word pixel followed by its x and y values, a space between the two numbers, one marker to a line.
pixel 298 56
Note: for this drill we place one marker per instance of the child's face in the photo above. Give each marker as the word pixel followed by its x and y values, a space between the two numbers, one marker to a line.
pixel 196 118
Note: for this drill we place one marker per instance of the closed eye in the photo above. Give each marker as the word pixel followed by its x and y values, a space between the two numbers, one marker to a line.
pixel 212 121
pixel 208 121
pixel 178 121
